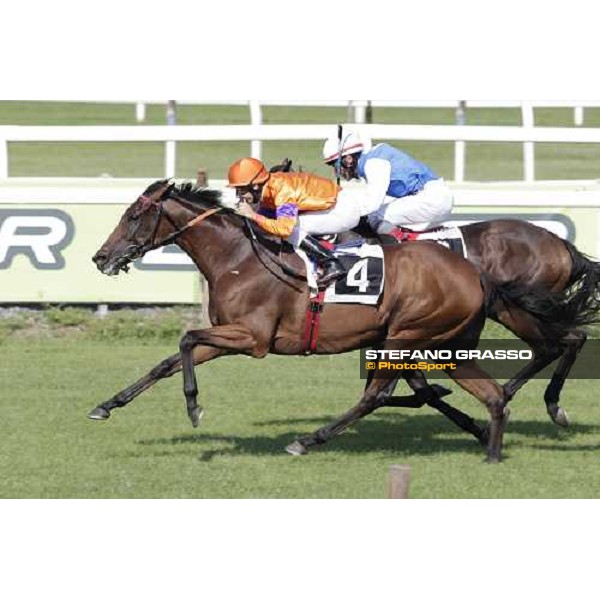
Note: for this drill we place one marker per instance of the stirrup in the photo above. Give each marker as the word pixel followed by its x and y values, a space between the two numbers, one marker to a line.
pixel 336 273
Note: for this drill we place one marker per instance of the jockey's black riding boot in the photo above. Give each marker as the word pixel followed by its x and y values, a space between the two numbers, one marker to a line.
pixel 332 267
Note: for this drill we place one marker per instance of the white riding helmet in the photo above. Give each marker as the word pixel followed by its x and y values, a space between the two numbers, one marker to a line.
pixel 351 143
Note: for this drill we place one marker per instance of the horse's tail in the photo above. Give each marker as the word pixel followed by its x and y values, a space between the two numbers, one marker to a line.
pixel 556 312
pixel 583 288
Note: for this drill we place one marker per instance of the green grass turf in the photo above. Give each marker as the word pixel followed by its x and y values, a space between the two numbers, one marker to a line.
pixel 49 449
pixel 484 161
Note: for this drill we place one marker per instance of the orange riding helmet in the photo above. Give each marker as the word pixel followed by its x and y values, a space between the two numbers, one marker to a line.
pixel 247 171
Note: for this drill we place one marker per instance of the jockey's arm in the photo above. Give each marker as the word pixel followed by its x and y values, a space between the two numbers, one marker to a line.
pixel 378 175
pixel 284 222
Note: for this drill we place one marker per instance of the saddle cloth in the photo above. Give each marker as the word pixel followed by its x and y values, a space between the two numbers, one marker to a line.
pixel 364 279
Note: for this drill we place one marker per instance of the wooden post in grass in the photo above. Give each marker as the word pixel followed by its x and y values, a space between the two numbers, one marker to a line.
pixel 102 311
pixel 398 483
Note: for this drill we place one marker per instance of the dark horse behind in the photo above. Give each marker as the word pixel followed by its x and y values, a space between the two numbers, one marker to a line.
pixel 513 252
pixel 516 252
pixel 432 297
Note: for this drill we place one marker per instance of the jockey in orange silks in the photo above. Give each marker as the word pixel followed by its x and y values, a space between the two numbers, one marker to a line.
pixel 294 205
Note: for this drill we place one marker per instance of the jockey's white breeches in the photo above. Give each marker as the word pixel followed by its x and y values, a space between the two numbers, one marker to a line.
pixel 425 209
pixel 344 215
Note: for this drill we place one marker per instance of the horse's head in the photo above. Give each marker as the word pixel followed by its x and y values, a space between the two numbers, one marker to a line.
pixel 136 232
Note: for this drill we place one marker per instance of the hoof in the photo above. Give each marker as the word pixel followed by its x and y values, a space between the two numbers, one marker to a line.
pixel 196 415
pixel 99 414
pixel 296 449
pixel 558 415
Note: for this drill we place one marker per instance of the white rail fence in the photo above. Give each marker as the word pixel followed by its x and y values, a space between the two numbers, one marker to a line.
pixel 358 108
pixel 256 134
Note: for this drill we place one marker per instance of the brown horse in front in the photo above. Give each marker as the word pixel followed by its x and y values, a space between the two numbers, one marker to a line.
pixel 257 308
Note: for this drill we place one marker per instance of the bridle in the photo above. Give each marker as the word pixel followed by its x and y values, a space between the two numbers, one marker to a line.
pixel 141 249
pixel 152 244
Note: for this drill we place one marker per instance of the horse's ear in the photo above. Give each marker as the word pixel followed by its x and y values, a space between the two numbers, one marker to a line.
pixel 284 167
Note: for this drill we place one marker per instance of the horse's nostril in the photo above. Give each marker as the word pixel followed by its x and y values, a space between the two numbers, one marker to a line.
pixel 99 258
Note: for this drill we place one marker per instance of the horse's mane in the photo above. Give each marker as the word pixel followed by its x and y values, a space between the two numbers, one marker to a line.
pixel 204 197
pixel 209 198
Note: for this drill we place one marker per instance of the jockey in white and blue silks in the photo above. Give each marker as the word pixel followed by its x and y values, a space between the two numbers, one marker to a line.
pixel 401 191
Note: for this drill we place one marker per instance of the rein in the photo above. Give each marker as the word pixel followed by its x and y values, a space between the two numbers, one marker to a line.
pixel 152 245
pixel 260 253
pixel 194 221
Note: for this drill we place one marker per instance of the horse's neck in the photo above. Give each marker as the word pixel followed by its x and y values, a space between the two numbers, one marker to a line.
pixel 216 247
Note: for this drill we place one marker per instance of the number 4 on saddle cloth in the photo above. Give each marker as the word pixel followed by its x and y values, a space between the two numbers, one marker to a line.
pixel 365 275
pixel 364 280
pixel 363 283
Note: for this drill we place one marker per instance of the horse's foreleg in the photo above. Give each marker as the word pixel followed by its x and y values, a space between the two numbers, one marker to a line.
pixel 165 368
pixel 213 342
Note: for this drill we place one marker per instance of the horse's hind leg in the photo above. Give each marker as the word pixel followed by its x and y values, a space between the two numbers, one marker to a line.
pixel 372 399
pixel 473 379
pixel 417 399
pixel 542 357
pixel 572 344
pixel 430 395
pixel 425 393
pixel 545 349
pixel 377 395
